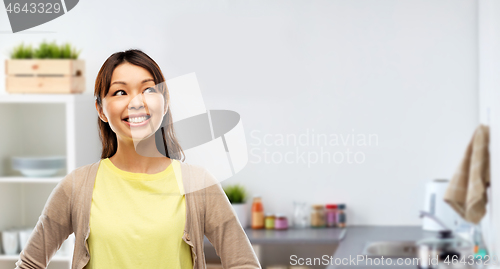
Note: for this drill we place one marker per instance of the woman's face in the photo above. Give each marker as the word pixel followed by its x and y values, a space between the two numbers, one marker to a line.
pixel 133 106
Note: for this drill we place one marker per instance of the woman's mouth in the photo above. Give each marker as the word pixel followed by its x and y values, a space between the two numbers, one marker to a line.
pixel 137 121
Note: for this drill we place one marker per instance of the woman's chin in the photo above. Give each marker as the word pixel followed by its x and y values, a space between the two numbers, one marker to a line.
pixel 141 134
pixel 142 138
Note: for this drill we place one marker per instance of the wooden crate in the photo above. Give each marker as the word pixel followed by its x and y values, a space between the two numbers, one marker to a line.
pixel 45 76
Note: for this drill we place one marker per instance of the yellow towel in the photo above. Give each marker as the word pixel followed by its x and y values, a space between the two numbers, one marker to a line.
pixel 466 193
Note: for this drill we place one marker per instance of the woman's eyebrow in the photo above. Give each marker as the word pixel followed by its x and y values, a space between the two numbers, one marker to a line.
pixel 124 83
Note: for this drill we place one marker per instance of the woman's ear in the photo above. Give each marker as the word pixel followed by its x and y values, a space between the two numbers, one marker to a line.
pixel 100 113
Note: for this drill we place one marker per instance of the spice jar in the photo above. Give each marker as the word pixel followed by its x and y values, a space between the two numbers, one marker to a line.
pixel 257 213
pixel 331 215
pixel 269 221
pixel 281 222
pixel 341 217
pixel 318 216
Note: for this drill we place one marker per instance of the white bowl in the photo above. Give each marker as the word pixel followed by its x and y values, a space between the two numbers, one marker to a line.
pixel 38 166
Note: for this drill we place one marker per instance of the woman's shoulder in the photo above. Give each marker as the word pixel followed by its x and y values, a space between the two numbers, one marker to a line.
pixel 82 172
pixel 189 169
pixel 196 177
pixel 86 169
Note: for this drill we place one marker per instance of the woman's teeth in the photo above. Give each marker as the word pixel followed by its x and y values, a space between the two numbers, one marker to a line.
pixel 137 120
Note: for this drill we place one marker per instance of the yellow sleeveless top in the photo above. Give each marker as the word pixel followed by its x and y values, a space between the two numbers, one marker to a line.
pixel 137 220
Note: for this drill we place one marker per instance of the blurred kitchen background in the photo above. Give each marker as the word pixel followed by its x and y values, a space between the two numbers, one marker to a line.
pixel 415 78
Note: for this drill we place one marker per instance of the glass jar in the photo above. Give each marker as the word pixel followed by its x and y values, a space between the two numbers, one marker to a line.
pixel 341 217
pixel 318 216
pixel 257 213
pixel 281 222
pixel 331 215
pixel 269 221
pixel 300 215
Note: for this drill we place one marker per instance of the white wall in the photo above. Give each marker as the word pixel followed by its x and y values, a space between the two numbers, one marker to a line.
pixel 405 71
pixel 489 96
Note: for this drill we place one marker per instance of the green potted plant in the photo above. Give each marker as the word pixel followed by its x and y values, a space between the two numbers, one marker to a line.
pixel 48 68
pixel 237 197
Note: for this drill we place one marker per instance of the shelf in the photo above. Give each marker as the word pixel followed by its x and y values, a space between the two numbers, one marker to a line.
pixel 56 258
pixel 42 98
pixel 20 179
pixel 45 124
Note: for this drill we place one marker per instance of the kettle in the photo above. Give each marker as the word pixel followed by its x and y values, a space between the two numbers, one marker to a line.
pixel 435 205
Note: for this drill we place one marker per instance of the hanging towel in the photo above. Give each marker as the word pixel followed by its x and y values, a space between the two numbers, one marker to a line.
pixel 466 193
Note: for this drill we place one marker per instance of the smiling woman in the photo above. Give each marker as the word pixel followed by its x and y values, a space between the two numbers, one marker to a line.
pixel 138 207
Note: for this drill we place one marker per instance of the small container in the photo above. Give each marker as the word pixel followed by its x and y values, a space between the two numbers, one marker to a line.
pixel 341 217
pixel 24 235
pixel 318 216
pixel 269 221
pixel 257 213
pixel 300 215
pixel 10 241
pixel 281 222
pixel 331 215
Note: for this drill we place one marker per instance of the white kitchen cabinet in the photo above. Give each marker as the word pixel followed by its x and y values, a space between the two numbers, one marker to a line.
pixel 41 124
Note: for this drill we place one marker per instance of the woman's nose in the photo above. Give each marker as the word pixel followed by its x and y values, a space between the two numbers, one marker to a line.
pixel 137 102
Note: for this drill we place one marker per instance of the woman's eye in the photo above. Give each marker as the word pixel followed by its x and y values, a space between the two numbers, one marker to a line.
pixel 116 93
pixel 151 89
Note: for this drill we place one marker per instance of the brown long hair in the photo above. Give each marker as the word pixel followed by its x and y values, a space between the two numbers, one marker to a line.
pixel 102 84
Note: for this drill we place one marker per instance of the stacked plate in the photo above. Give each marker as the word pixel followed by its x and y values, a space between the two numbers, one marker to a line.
pixel 44 166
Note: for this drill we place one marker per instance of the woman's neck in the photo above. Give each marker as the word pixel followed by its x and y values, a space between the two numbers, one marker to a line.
pixel 141 157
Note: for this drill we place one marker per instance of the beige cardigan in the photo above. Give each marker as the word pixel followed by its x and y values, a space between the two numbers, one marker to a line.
pixel 208 212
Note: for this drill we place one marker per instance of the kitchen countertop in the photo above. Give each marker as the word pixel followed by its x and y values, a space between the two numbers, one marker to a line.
pixel 351 242
pixel 295 236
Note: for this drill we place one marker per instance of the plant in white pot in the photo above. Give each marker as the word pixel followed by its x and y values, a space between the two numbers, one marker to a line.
pixel 237 196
